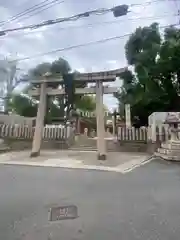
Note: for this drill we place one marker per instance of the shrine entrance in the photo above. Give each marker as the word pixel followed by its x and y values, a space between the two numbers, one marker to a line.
pixel 41 87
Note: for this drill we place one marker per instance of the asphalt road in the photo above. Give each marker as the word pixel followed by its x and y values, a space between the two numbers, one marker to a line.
pixel 143 204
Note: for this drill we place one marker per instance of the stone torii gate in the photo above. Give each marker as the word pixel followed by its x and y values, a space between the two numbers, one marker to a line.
pixel 98 90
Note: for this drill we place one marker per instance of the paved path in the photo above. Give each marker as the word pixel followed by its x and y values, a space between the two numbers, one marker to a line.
pixel 141 205
pixel 118 162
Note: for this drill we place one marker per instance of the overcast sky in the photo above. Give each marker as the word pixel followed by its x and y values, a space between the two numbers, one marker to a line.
pixel 105 56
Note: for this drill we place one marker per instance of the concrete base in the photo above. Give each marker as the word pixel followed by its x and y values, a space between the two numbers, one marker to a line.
pixel 169 151
pixel 35 154
pixel 102 157
pixel 167 157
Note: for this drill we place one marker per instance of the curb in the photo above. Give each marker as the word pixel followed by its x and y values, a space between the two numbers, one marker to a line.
pixel 67 166
pixel 117 169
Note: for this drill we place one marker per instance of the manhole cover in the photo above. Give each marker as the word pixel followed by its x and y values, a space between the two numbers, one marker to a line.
pixel 63 212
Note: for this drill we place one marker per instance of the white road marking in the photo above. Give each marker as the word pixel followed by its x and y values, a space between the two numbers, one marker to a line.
pixel 130 166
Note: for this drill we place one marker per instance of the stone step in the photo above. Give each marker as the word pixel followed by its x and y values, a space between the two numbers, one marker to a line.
pixel 133 147
pixel 85 143
pixel 83 149
pixel 92 148
pixel 89 149
pixel 109 149
pixel 168 157
pixel 130 149
pixel 54 145
pixel 133 144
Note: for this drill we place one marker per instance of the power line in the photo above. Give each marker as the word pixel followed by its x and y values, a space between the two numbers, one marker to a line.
pixel 117 11
pixel 84 45
pixel 96 24
pixel 36 7
pixel 19 14
pixel 50 5
pixel 150 2
pixel 75 17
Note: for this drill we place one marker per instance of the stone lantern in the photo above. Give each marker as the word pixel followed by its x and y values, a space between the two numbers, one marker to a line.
pixel 173 119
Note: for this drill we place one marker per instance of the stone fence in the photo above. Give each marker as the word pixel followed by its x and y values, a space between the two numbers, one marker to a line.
pixel 160 133
pixel 27 132
pixel 19 137
pixel 56 132
pixel 60 137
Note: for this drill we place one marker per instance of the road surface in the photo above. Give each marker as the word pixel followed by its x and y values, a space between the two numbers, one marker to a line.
pixel 142 204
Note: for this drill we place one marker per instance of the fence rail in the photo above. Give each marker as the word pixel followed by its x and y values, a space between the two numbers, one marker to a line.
pixel 132 134
pixel 162 133
pixel 27 132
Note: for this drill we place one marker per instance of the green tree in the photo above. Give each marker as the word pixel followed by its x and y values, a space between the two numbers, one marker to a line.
pixel 25 106
pixel 86 103
pixel 154 83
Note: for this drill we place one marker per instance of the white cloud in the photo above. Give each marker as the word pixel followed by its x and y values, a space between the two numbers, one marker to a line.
pixel 91 58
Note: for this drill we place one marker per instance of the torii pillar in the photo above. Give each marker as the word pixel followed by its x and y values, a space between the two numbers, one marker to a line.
pixel 101 142
pixel 37 139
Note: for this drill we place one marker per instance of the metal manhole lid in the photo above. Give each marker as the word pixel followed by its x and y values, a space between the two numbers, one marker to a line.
pixel 63 213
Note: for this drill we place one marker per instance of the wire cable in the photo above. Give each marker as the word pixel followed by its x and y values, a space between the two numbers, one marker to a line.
pixel 91 25
pixel 84 45
pixel 72 18
pixel 19 14
pixel 150 2
pixel 57 20
pixel 50 5
pixel 36 7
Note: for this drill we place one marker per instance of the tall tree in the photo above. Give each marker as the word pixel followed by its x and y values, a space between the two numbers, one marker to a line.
pixel 154 83
pixel 8 80
pixel 55 105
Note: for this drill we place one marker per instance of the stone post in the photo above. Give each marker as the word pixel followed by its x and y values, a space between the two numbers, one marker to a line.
pixel 128 115
pixel 37 139
pixel 86 132
pixel 153 131
pixel 101 144
pixel 113 126
pixel 78 126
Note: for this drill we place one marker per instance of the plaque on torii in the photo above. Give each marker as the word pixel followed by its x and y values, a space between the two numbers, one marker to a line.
pixel 96 77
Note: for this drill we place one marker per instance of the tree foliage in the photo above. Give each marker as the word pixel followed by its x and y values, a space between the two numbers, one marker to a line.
pixel 154 83
pixel 25 106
